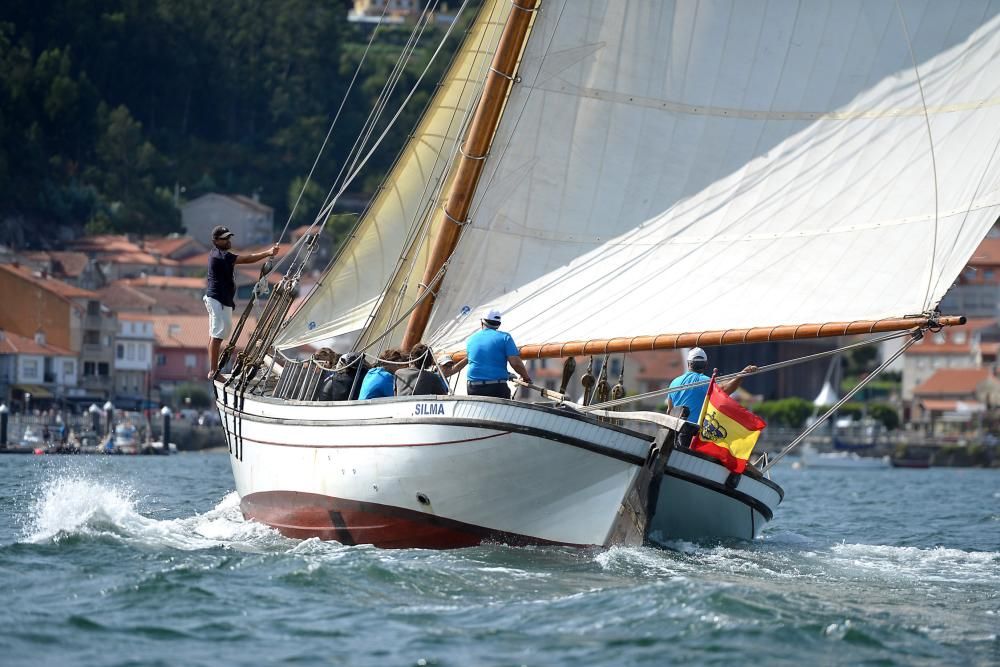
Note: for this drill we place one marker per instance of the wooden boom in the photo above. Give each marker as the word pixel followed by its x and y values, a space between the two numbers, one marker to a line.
pixel 730 337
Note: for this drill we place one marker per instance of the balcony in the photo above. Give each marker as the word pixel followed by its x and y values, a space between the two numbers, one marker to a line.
pixel 92 351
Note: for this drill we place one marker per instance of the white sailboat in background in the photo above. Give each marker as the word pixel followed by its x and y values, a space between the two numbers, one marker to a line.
pixel 615 177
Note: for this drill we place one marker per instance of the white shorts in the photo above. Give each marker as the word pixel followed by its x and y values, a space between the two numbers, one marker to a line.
pixel 220 318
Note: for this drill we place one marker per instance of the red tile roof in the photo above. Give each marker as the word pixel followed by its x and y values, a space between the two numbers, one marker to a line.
pixel 57 287
pixel 953 382
pixel 168 245
pixel 988 253
pixel 189 331
pixel 129 299
pixel 12 343
pixel 66 264
pixel 172 282
pixel 106 243
pixel 135 317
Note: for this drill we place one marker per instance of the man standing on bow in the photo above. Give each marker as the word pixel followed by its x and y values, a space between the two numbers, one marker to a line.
pixel 220 289
pixel 489 350
pixel 693 399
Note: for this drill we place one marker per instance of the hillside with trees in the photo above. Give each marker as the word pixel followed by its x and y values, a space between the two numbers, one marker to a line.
pixel 113 111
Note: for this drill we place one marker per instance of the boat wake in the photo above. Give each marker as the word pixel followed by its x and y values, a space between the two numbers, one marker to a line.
pixel 75 506
pixel 799 559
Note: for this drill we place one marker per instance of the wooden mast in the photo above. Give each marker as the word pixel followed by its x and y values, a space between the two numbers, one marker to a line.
pixel 474 152
pixel 729 337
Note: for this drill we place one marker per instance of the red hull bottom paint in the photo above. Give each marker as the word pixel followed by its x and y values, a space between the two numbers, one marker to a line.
pixel 306 515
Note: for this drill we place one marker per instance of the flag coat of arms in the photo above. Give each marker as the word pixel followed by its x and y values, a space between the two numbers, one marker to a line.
pixel 726 430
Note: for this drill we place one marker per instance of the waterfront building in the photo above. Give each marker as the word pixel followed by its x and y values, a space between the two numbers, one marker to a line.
pixel 33 373
pixel 134 361
pixel 971 346
pixel 955 401
pixel 251 222
pixel 72 319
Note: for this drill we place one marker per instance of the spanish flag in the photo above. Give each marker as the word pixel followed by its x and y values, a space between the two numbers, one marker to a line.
pixel 726 430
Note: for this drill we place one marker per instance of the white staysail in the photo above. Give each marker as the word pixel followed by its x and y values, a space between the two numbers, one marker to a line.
pixel 692 166
pixel 354 285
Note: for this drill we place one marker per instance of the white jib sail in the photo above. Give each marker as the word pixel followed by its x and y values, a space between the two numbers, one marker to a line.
pixel 354 286
pixel 691 166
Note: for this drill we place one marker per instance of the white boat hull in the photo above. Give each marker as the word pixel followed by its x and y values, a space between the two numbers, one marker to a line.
pixel 443 472
pixel 810 458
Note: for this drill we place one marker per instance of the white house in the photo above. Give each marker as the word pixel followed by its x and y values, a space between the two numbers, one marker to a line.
pixel 133 359
pixel 33 371
pixel 251 221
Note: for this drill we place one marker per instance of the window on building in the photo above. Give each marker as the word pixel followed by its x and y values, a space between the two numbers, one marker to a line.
pixel 616 367
pixel 190 361
pixel 130 351
pixel 161 360
pixel 142 352
pixel 107 341
pixel 939 338
pixel 29 369
pixel 103 369
pixel 93 307
pixel 988 274
pixel 958 337
pixel 69 368
pixel 121 351
pixel 91 338
pixel 921 362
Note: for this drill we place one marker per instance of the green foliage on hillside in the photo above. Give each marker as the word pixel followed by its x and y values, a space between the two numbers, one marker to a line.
pixel 109 109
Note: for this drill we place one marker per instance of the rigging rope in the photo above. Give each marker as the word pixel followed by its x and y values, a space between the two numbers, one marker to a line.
pixel 333 124
pixel 762 369
pixel 930 140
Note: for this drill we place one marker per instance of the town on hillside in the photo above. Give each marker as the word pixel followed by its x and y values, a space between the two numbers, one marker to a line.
pixel 119 321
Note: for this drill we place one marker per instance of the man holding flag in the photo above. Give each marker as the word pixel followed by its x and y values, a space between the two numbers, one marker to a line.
pixel 726 430
pixel 694 398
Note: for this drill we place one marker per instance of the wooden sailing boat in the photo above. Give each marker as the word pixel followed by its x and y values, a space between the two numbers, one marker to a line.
pixel 617 176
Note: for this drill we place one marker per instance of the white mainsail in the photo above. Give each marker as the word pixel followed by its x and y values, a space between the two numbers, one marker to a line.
pixel 693 166
pixel 353 287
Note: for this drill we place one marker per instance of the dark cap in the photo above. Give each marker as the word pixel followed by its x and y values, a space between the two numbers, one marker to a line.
pixel 221 232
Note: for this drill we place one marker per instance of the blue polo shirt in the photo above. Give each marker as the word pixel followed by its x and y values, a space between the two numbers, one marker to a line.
pixel 692 398
pixel 378 383
pixel 488 350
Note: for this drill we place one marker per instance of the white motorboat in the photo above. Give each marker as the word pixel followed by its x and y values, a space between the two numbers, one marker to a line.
pixel 810 457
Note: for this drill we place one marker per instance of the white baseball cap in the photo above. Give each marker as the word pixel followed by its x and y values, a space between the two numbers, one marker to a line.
pixel 493 315
pixel 697 354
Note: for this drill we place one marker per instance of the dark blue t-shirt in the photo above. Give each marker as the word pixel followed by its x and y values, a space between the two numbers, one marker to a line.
pixel 221 281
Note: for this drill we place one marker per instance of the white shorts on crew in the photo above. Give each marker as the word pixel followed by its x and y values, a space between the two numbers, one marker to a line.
pixel 220 318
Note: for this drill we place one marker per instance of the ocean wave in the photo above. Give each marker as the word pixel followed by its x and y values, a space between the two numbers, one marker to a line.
pixel 74 505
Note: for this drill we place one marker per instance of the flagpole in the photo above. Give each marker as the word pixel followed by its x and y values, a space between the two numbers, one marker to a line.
pixel 704 404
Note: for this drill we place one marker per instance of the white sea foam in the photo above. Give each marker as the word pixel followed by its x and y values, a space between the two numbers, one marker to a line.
pixel 75 505
pixel 935 564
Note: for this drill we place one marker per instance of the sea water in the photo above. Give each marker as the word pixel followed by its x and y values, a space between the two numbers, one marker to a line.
pixel 147 561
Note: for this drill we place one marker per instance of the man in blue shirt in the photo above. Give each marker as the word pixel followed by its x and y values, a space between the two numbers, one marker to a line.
pixel 220 289
pixel 693 399
pixel 489 350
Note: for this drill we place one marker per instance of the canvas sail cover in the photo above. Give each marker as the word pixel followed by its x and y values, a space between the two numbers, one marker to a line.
pixel 668 167
pixel 353 288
